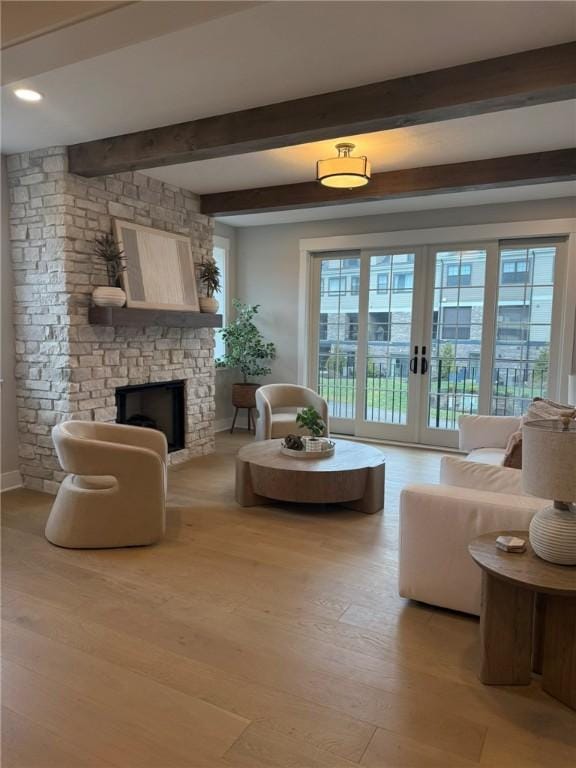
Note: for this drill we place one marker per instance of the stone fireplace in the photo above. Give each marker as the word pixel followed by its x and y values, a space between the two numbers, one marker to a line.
pixel 65 367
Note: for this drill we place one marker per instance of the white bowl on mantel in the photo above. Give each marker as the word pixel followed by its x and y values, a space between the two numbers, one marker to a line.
pixel 105 296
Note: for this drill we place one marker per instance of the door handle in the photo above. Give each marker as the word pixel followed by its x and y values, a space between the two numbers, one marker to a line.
pixel 424 362
pixel 414 361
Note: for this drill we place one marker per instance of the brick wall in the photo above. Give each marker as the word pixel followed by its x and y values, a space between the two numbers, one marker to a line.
pixel 65 367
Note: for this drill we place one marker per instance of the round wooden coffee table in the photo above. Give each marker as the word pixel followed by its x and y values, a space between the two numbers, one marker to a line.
pixel 528 619
pixel 353 476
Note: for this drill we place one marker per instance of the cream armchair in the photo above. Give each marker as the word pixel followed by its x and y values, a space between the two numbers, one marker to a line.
pixel 115 494
pixel 271 397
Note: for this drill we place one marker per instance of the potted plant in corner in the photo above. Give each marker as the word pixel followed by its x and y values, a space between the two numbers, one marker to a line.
pixel 106 248
pixel 210 278
pixel 246 350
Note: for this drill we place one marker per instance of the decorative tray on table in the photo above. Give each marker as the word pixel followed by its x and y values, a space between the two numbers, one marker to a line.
pixel 307 448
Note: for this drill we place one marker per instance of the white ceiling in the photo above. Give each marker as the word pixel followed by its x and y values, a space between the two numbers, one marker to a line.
pixel 269 52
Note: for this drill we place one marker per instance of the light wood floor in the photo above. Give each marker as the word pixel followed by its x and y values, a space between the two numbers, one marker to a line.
pixel 251 638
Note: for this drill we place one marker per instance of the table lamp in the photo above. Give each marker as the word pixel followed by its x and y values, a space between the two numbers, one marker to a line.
pixel 549 471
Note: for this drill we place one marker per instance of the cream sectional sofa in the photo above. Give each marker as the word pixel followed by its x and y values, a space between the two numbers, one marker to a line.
pixel 476 495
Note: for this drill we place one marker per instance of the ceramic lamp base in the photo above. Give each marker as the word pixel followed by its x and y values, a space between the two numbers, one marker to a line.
pixel 553 534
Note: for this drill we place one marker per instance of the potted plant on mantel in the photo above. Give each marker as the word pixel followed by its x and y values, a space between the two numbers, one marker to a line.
pixel 209 277
pixel 246 350
pixel 106 248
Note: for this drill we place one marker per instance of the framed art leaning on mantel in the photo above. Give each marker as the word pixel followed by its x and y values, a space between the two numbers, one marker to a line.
pixel 160 272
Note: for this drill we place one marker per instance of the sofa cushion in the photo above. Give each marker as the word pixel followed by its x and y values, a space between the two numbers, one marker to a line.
pixel 487 456
pixel 463 473
pixel 285 424
pixel 547 409
pixel 513 455
pixel 486 431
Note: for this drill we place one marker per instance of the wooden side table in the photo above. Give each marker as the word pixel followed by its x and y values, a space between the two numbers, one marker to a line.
pixel 528 618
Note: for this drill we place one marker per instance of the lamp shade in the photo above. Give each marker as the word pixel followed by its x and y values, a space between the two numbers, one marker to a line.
pixel 549 459
pixel 344 171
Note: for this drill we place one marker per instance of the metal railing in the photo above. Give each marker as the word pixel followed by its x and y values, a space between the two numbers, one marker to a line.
pixel 453 388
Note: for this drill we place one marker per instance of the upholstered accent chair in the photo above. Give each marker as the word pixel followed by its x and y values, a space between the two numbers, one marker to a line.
pixel 277 406
pixel 115 494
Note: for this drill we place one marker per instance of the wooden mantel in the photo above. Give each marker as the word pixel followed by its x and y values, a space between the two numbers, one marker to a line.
pixel 165 318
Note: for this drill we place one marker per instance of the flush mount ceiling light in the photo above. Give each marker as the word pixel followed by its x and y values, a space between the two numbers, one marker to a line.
pixel 344 171
pixel 26 94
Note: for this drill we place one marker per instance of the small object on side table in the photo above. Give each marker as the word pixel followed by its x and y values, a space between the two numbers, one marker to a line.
pixel 528 619
pixel 511 544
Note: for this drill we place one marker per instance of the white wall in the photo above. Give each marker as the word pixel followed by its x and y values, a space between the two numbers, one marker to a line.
pixel 224 377
pixel 268 260
pixel 8 427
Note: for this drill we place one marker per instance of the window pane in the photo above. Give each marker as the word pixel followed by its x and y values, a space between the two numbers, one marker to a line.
pixel 523 327
pixel 388 338
pixel 219 255
pixel 338 334
pixel 456 336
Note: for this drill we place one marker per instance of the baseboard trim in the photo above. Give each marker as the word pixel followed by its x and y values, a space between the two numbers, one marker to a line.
pixel 10 480
pixel 223 424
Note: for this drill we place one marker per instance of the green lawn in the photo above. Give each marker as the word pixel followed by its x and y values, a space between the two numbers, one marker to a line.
pixel 392 393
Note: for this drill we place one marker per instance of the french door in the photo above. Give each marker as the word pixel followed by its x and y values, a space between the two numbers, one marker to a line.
pixel 405 341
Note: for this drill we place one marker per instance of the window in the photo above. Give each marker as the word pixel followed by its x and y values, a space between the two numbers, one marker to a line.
pixel 351 264
pixel 458 274
pixel 354 285
pixel 516 271
pixel 323 330
pixel 379 326
pixel 352 326
pixel 336 286
pixel 435 324
pixel 220 255
pixel 456 322
pixel 513 323
pixel 382 283
pixel 403 281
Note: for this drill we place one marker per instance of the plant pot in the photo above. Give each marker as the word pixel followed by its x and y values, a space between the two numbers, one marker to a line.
pixel 244 395
pixel 208 304
pixel 104 296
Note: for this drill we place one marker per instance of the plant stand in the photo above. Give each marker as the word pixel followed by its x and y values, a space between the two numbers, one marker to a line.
pixel 251 420
pixel 244 396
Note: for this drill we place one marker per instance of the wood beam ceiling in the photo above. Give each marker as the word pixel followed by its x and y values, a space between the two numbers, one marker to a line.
pixel 507 82
pixel 535 168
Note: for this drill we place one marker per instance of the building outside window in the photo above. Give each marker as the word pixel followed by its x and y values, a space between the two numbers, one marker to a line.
pixel 323 330
pixel 336 286
pixel 379 326
pixel 352 326
pixel 456 323
pixel 382 283
pixel 458 274
pixel 516 271
pixel 403 281
pixel 354 285
pixel 513 323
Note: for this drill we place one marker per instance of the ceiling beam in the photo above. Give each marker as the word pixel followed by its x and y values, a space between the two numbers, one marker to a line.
pixel 535 168
pixel 507 82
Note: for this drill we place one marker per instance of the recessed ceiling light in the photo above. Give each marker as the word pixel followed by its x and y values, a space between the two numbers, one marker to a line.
pixel 26 94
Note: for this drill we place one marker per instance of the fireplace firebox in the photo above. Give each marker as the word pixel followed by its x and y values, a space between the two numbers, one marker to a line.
pixel 156 406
